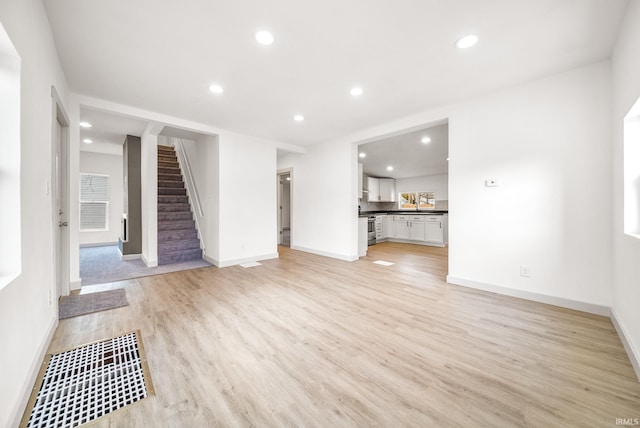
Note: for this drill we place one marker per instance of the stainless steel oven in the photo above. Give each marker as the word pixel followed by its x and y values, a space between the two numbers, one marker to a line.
pixel 371 230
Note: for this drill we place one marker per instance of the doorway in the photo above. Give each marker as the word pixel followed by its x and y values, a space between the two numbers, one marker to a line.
pixel 59 195
pixel 284 208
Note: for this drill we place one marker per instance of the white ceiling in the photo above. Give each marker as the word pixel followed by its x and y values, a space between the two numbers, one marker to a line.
pixel 163 55
pixel 108 131
pixel 408 156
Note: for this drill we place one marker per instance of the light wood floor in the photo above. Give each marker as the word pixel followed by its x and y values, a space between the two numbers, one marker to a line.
pixel 309 341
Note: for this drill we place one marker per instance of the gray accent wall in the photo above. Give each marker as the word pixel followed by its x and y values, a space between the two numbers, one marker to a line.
pixel 132 203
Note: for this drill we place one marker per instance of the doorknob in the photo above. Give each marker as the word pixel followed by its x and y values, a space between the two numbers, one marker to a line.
pixel 63 224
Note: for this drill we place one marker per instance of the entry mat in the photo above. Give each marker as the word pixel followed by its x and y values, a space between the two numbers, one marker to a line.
pixel 85 383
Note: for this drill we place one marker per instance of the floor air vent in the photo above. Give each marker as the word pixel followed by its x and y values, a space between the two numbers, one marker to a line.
pixel 88 382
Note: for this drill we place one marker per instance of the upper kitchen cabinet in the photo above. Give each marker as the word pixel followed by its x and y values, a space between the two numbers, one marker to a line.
pixel 382 189
pixel 387 190
pixel 373 185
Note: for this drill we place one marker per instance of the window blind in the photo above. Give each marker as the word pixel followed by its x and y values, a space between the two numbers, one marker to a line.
pixel 94 201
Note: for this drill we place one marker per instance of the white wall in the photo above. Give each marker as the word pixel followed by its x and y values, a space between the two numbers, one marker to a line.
pixel 547 144
pixel 27 317
pixel 324 199
pixel 204 160
pixel 626 249
pixel 111 165
pixel 438 183
pixel 247 199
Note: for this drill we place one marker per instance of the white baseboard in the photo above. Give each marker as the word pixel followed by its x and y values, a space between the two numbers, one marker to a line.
pixel 130 256
pixel 36 365
pixel 99 244
pixel 632 353
pixel 75 285
pixel 148 263
pixel 226 263
pixel 536 297
pixel 326 253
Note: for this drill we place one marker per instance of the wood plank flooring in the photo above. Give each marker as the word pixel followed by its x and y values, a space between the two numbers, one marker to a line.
pixel 309 341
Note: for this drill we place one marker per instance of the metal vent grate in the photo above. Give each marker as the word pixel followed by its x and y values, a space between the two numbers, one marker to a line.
pixel 86 383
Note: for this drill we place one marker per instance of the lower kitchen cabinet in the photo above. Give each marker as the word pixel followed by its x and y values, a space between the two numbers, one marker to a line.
pixel 388 227
pixel 434 232
pixel 418 229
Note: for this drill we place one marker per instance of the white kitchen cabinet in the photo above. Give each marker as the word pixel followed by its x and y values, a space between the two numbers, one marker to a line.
pixel 402 227
pixel 362 236
pixel 360 180
pixel 416 228
pixel 374 189
pixel 388 227
pixel 387 190
pixel 379 221
pixel 434 229
pixel 381 189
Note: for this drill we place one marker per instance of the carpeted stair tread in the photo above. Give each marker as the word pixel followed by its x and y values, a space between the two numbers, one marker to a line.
pixel 162 184
pixel 176 224
pixel 176 235
pixel 179 199
pixel 169 177
pixel 179 256
pixel 179 245
pixel 171 191
pixel 173 207
pixel 171 216
pixel 171 171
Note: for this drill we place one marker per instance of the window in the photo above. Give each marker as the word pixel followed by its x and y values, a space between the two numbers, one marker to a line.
pixel 632 171
pixel 94 202
pixel 10 227
pixel 417 200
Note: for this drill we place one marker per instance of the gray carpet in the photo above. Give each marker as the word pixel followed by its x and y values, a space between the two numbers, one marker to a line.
pixel 81 304
pixel 99 265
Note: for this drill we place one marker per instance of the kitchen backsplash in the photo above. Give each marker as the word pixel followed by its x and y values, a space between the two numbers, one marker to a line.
pixel 393 206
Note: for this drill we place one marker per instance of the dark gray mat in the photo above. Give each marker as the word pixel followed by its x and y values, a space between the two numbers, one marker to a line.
pixel 81 304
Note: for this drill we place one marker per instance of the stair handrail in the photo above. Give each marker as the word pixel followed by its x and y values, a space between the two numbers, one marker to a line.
pixel 190 184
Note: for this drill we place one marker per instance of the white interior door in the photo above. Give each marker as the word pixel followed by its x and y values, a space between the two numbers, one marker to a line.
pixel 59 186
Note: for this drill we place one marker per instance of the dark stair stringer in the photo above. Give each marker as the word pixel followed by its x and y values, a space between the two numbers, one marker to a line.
pixel 177 235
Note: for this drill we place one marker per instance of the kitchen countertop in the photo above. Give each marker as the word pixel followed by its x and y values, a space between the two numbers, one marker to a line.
pixel 403 212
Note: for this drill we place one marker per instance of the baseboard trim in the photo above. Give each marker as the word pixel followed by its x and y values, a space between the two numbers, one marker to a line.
pixel 148 263
pixel 75 285
pixel 536 297
pixel 130 256
pixel 233 262
pixel 632 353
pixel 36 364
pixel 99 244
pixel 326 253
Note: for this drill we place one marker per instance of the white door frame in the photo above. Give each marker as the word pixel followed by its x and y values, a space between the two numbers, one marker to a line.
pixel 280 174
pixel 60 183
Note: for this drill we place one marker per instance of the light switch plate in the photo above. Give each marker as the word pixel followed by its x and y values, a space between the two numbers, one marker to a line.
pixel 490 183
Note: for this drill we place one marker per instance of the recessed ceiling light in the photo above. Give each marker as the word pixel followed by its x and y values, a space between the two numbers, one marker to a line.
pixel 264 38
pixel 389 168
pixel 87 141
pixel 425 140
pixel 447 158
pixel 288 178
pixel 467 41
pixel 362 155
pixel 216 89
pixel 298 118
pixel 85 125
pixel 356 92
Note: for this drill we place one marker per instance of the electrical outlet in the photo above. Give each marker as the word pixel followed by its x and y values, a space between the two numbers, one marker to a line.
pixel 525 271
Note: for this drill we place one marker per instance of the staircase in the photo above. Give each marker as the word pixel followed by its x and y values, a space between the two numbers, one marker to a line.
pixel 177 235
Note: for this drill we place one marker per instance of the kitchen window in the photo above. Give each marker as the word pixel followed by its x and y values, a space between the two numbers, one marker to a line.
pixel 417 200
pixel 94 202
